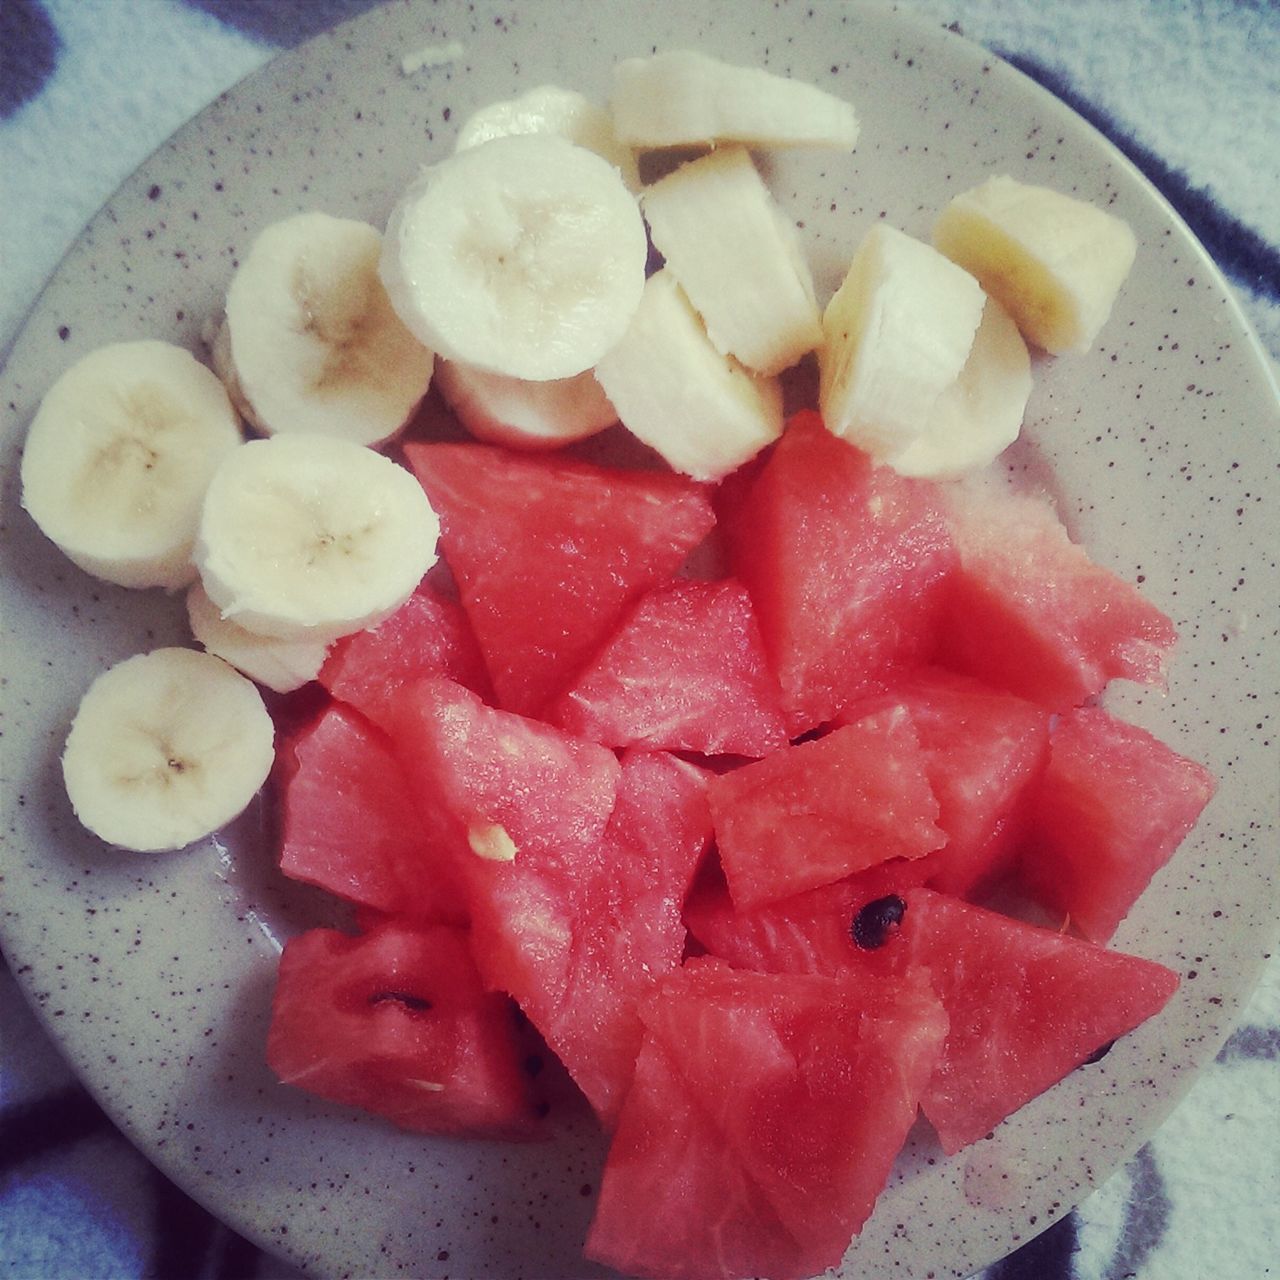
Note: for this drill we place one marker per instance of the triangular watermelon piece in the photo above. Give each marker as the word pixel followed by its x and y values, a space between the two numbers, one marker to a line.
pixel 813 813
pixel 826 1075
pixel 811 932
pixel 549 553
pixel 685 671
pixel 845 563
pixel 397 1022
pixel 1027 1005
pixel 429 635
pixel 1030 612
pixel 984 750
pixel 349 825
pixel 1113 806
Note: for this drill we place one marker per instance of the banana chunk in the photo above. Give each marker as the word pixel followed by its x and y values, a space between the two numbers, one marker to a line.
pixel 699 409
pixel 1055 263
pixel 980 414
pixel 282 665
pixel 312 538
pixel 165 748
pixel 897 334
pixel 683 98
pixel 118 457
pixel 311 342
pixel 550 109
pixel 523 414
pixel 737 257
pixel 524 256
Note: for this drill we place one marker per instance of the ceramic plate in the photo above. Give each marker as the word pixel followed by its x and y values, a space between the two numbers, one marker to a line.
pixel 155 974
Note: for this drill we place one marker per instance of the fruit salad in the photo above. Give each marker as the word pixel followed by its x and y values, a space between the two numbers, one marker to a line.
pixel 759 775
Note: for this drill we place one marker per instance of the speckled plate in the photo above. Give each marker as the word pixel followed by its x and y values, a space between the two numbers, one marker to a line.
pixel 155 974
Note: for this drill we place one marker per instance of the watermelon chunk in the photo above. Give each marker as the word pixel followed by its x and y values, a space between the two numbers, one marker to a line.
pixel 496 784
pixel 397 1022
pixel 1028 610
pixel 429 635
pixel 349 826
pixel 1114 804
pixel 686 671
pixel 845 563
pixel 816 812
pixel 549 553
pixel 1026 1006
pixel 983 752
pixel 777 1173
pixel 811 932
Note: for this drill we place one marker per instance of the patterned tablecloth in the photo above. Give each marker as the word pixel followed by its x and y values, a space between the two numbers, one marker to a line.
pixel 1189 89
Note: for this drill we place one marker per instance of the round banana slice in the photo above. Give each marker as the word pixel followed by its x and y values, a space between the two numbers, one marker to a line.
pixel 311 538
pixel 282 665
pixel 165 748
pixel 976 418
pixel 311 342
pixel 523 256
pixel 524 414
pixel 118 457
pixel 550 109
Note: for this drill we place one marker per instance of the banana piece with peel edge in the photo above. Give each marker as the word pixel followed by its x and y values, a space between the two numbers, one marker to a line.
pixel 897 334
pixel 310 341
pixel 1055 263
pixel 119 455
pixel 737 258
pixel 312 538
pixel 165 748
pixel 699 409
pixel 523 256
pixel 682 98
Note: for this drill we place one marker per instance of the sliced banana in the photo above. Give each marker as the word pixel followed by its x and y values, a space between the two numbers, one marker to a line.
pixel 683 98
pixel 165 748
pixel 524 256
pixel 312 538
pixel 523 414
pixel 311 340
pixel 282 665
pixel 897 334
pixel 980 414
pixel 118 458
pixel 1054 262
pixel 737 257
pixel 550 109
pixel 700 410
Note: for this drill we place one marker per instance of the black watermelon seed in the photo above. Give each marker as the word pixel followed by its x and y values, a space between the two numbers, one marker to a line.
pixel 1098 1054
pixel 872 925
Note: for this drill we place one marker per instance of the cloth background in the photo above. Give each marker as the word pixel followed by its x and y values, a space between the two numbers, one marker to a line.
pixel 1190 89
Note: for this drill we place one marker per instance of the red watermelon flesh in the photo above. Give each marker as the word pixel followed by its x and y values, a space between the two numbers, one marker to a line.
pixel 808 933
pixel 397 1022
pixel 349 825
pixel 429 635
pixel 1114 805
pixel 845 563
pixel 548 553
pixel 826 1075
pixel 497 784
pixel 686 671
pixel 1028 611
pixel 1027 1006
pixel 984 750
pixel 814 813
